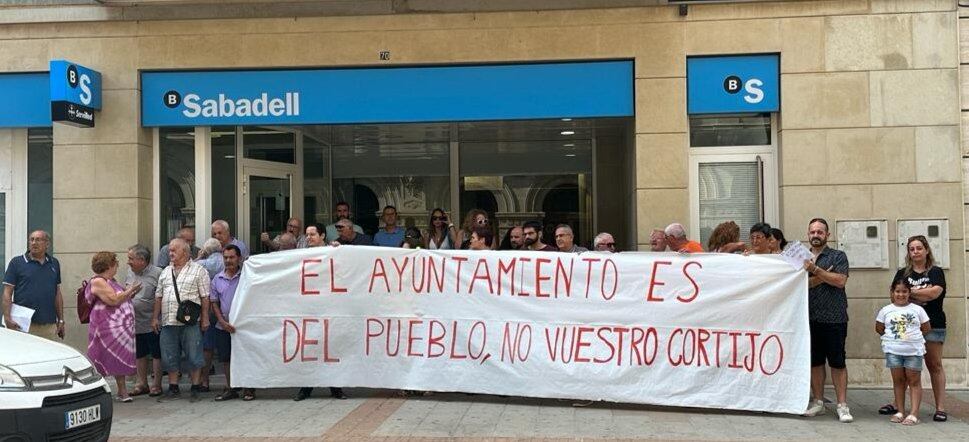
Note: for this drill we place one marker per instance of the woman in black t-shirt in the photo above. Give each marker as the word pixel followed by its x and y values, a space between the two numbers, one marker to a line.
pixel 928 290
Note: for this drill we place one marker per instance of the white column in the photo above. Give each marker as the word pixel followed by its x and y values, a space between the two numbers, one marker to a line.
pixel 203 185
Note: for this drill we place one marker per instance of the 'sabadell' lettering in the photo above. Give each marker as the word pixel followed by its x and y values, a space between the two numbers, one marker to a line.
pixel 223 106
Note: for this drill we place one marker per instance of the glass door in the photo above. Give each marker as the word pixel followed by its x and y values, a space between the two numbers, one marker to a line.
pixel 732 187
pixel 267 203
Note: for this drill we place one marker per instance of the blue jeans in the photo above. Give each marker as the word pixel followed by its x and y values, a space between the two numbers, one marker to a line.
pixel 176 339
pixel 935 335
pixel 913 363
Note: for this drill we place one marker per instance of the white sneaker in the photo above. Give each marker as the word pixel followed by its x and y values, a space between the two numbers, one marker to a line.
pixel 844 414
pixel 814 408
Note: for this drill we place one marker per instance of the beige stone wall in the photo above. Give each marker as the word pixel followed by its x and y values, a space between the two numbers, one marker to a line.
pixel 869 121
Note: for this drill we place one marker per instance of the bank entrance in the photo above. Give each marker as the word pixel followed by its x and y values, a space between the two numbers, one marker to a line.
pixel 564 170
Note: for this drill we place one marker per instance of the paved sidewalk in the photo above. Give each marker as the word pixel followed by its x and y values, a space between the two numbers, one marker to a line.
pixel 380 415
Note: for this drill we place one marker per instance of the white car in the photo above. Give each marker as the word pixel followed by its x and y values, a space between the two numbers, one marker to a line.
pixel 50 392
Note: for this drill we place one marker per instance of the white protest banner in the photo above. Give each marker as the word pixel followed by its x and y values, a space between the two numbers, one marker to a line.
pixel 707 330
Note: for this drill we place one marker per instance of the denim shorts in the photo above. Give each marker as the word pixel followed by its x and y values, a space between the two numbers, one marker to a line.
pixel 913 363
pixel 935 335
pixel 177 339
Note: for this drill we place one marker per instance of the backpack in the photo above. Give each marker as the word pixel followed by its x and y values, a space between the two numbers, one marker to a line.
pixel 83 307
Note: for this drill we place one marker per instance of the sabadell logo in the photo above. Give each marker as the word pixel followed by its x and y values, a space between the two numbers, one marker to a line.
pixel 263 105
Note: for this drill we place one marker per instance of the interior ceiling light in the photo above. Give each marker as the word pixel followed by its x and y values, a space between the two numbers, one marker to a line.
pixel 566 119
pixel 567 132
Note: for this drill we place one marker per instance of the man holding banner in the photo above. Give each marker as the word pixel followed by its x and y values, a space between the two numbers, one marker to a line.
pixel 828 314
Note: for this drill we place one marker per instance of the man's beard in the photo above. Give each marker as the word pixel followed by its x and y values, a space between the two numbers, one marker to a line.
pixel 528 242
pixel 817 242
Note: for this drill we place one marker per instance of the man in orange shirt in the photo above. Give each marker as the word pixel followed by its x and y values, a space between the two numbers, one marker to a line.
pixel 677 240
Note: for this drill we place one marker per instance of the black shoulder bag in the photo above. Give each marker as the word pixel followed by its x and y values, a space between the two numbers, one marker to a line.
pixel 188 312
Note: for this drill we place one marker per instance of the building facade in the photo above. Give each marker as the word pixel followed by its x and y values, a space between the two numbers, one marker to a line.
pixel 618 116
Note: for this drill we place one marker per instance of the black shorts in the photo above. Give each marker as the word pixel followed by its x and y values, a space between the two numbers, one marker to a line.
pixel 222 341
pixel 828 343
pixel 147 344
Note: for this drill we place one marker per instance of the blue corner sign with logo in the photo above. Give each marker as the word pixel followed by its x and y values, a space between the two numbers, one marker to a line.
pixel 75 93
pixel 388 95
pixel 27 99
pixel 733 84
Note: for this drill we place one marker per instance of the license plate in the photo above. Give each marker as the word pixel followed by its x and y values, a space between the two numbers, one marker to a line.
pixel 82 416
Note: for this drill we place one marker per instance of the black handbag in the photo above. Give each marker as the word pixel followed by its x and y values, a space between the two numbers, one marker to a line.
pixel 188 312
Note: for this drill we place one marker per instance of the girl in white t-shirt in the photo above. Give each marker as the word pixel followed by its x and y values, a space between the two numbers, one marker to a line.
pixel 901 325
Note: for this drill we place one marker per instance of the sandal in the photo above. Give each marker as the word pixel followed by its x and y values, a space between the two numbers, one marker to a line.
pixel 897 418
pixel 126 399
pixel 138 391
pixel 155 392
pixel 227 395
pixel 940 416
pixel 910 420
pixel 888 409
pixel 248 394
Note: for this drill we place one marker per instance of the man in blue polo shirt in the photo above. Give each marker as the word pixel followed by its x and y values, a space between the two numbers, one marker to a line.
pixel 390 235
pixel 33 280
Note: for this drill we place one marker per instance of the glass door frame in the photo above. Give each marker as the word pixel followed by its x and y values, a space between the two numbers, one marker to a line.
pixel 765 154
pixel 271 169
pixel 275 171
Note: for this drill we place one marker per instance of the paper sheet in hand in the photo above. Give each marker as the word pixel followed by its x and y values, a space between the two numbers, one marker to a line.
pixel 21 315
pixel 795 253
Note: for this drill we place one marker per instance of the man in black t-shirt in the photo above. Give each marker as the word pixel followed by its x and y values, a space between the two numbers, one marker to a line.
pixel 828 315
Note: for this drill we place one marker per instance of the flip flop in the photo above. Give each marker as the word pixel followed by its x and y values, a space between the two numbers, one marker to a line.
pixel 248 394
pixel 227 395
pixel 910 420
pixel 887 409
pixel 154 393
pixel 138 391
pixel 897 418
pixel 940 416
pixel 126 399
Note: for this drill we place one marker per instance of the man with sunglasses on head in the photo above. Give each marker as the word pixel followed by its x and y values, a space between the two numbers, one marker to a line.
pixel 604 242
pixel 348 236
pixel 342 212
pixel 294 226
pixel 532 232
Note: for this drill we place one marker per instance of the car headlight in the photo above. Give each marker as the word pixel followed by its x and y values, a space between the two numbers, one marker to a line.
pixel 11 380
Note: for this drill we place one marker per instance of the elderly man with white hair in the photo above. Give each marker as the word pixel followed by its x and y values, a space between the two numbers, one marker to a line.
pixel 183 280
pixel 221 232
pixel 677 240
pixel 604 242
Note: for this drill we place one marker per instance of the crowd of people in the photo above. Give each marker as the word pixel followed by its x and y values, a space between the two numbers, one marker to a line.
pixel 173 314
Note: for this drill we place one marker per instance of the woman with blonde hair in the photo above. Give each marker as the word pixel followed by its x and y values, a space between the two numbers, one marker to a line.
pixel 928 290
pixel 725 239
pixel 111 331
pixel 475 217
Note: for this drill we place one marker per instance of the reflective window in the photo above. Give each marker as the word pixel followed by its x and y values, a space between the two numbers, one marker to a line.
pixel 317 204
pixel 3 229
pixel 224 180
pixel 40 181
pixel 264 143
pixel 405 166
pixel 540 172
pixel 730 130
pixel 729 192
pixel 177 181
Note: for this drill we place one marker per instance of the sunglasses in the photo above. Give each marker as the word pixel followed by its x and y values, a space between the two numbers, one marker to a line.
pixel 610 245
pixel 438 218
pixel 482 221
pixel 340 227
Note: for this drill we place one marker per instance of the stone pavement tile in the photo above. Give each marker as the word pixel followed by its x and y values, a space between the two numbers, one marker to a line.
pixel 481 420
pixel 518 419
pixel 556 419
pixel 406 419
pixel 443 417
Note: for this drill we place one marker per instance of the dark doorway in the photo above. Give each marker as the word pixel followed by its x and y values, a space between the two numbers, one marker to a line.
pixel 561 206
pixel 365 207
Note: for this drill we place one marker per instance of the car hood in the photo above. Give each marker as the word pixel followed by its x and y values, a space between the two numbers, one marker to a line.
pixel 18 348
